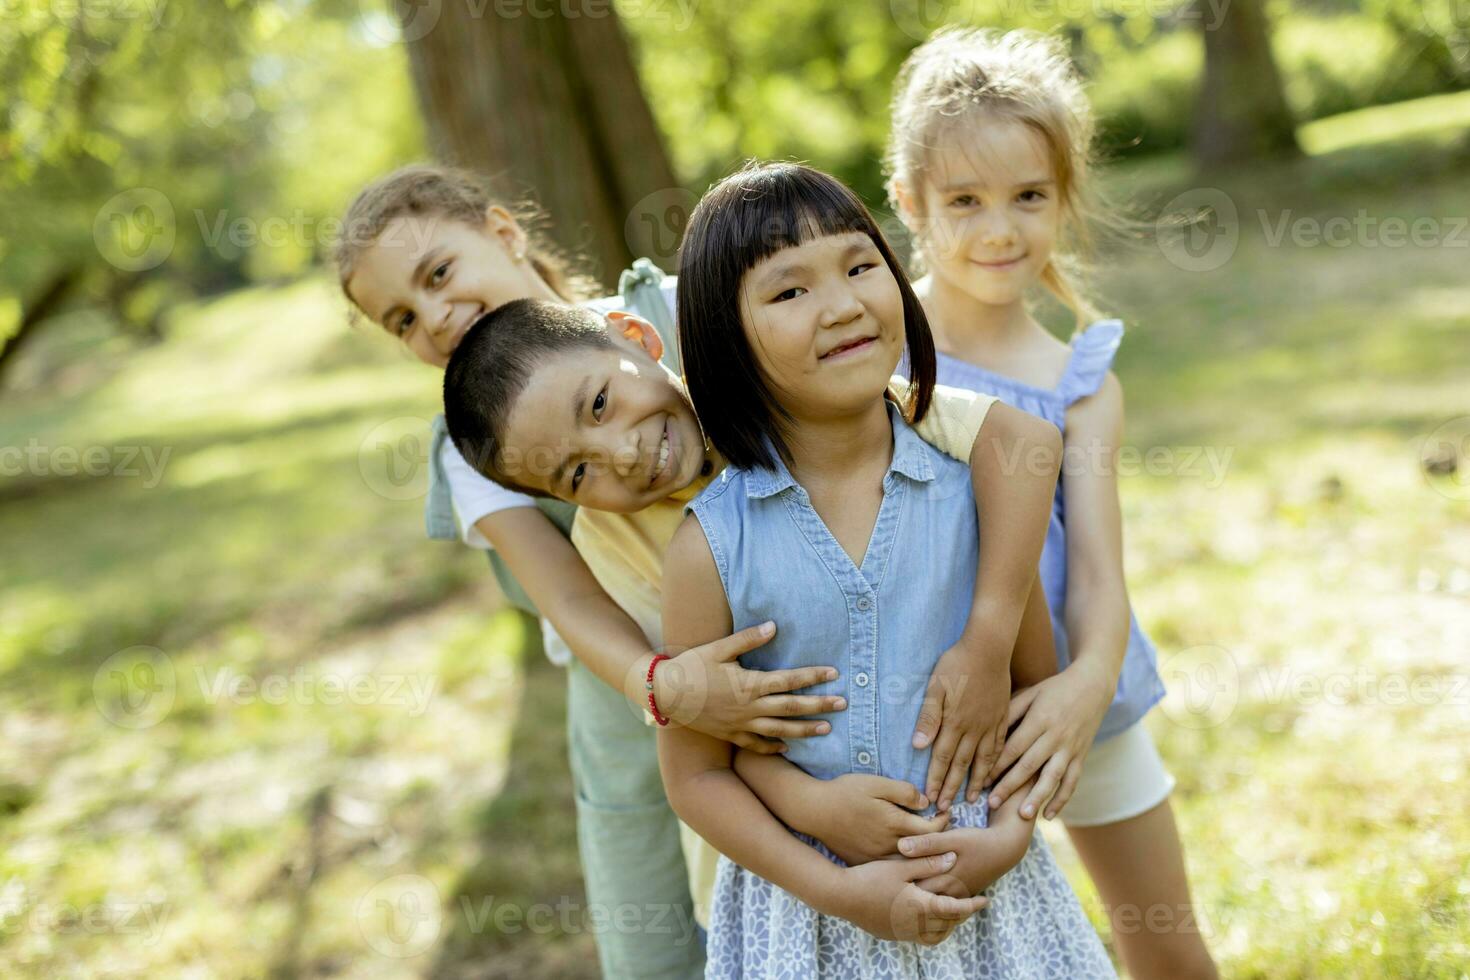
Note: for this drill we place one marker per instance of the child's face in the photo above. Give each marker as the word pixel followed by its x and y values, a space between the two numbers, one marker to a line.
pixel 825 321
pixel 606 429
pixel 990 210
pixel 426 279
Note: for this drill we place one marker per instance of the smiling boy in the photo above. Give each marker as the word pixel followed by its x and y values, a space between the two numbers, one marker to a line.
pixel 555 401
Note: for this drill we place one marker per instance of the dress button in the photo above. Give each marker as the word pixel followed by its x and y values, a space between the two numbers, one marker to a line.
pixel 864 758
pixel 862 680
pixel 864 604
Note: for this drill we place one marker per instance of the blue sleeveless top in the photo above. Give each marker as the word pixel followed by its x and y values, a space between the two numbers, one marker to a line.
pixel 883 624
pixel 1139 686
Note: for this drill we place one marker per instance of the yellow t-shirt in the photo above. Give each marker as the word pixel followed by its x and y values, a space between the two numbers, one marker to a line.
pixel 625 552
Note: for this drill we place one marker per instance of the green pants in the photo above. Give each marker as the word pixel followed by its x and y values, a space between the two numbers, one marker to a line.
pixel 638 904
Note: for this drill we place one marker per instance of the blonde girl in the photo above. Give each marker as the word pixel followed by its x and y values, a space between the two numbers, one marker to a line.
pixel 989 168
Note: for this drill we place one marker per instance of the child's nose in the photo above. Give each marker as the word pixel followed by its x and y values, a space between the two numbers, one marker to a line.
pixel 842 306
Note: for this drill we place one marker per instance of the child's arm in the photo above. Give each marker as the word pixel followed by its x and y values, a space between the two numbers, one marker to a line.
pixel 860 817
pixel 880 897
pixel 1062 715
pixel 1014 460
pixel 750 711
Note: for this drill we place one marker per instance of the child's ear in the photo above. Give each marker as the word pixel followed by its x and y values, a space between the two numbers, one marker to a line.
pixel 904 198
pixel 502 225
pixel 630 326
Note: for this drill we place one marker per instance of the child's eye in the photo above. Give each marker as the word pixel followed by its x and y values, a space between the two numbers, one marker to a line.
pixel 962 201
pixel 599 403
pixel 577 475
pixel 786 294
pixel 438 275
pixel 1031 197
pixel 405 322
pixel 861 267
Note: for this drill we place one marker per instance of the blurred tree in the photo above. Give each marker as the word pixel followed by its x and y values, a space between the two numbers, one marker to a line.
pixel 544 99
pixel 1242 113
pixel 150 151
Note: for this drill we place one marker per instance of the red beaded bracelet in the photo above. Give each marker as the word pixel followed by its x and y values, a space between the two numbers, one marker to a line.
pixel 648 683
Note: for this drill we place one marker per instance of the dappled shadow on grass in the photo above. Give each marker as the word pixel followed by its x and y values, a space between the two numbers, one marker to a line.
pixel 528 835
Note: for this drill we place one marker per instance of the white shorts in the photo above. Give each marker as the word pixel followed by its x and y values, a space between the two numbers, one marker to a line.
pixel 1121 778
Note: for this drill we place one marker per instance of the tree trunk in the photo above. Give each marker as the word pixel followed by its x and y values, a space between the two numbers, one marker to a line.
pixel 47 302
pixel 1242 113
pixel 545 100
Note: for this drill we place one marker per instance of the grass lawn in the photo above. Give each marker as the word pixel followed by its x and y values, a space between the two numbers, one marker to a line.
pixel 255 725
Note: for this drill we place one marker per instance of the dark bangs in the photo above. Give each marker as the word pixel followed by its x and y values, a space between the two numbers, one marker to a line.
pixel 745 218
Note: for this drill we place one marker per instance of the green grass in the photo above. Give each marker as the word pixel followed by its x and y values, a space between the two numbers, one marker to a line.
pixel 255 836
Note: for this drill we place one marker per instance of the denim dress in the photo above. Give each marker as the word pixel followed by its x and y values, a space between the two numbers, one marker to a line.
pixel 884 624
pixel 1139 685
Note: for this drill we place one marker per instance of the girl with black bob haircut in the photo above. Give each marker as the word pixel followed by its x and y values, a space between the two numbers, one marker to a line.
pixel 747 217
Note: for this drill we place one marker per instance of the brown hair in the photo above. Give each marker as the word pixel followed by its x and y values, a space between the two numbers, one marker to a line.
pixel 1024 76
pixel 425 189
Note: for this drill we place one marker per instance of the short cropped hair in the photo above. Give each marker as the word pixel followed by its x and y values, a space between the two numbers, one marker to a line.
pixel 490 368
pixel 750 215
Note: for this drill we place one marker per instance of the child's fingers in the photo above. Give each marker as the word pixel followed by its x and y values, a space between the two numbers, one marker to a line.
pixel 986 754
pixel 1018 744
pixel 779 728
pixel 959 767
pixel 763 746
pixel 945 746
pixel 1046 786
pixel 931 714
pixel 1019 705
pixel 732 646
pixel 925 845
pixel 913 825
pixel 1069 785
pixel 1019 774
pixel 926 867
pixel 791 705
pixel 944 885
pixel 899 791
pixel 951 909
pixel 764 683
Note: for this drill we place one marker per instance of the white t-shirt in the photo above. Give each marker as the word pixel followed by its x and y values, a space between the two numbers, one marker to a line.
pixel 474 496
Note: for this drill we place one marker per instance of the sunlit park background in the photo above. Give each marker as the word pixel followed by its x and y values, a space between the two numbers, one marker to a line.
pixel 253 724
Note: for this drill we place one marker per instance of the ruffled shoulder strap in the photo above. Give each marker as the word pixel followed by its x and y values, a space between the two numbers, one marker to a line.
pixel 1092 355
